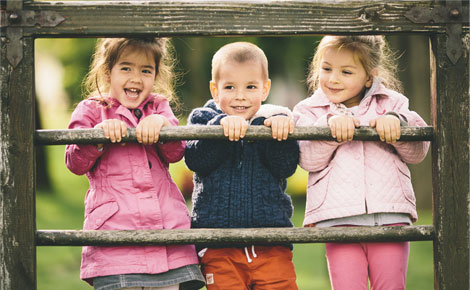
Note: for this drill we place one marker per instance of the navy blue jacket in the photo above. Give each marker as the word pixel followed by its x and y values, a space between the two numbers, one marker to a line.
pixel 239 184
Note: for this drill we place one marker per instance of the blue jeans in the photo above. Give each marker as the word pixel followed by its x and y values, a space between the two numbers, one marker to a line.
pixel 189 277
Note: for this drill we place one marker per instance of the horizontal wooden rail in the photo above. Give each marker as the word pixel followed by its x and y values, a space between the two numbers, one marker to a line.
pixel 231 17
pixel 234 236
pixel 93 136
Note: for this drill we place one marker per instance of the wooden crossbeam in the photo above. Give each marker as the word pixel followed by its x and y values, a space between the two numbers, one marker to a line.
pixel 210 18
pixel 93 136
pixel 234 236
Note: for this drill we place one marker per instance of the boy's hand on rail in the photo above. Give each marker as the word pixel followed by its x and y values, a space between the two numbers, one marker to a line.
pixel 148 129
pixel 281 126
pixel 342 127
pixel 114 129
pixel 388 128
pixel 234 127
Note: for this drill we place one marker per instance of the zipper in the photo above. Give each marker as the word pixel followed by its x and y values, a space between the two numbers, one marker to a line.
pixel 240 159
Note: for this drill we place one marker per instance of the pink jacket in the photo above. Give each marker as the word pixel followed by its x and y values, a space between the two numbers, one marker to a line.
pixel 358 177
pixel 130 189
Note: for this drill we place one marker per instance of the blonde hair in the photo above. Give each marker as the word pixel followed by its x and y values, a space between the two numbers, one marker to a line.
pixel 107 53
pixel 372 52
pixel 239 52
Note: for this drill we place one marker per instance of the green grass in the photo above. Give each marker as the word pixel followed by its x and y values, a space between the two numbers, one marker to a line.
pixel 62 208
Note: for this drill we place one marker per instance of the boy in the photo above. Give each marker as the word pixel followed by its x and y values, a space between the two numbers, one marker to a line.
pixel 241 184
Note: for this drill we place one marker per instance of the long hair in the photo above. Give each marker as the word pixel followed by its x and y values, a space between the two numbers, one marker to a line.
pixel 371 50
pixel 107 53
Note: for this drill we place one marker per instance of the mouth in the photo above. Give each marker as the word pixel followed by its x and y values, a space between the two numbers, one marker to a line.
pixel 240 108
pixel 333 90
pixel 132 92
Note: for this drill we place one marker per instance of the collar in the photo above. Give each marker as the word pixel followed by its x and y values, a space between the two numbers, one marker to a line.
pixel 149 100
pixel 374 89
pixel 265 111
pixel 213 105
pixel 124 111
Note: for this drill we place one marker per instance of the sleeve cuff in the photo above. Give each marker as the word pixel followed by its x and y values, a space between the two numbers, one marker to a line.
pixel 403 121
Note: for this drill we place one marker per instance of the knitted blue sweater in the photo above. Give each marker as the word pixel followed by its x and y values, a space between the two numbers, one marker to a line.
pixel 239 184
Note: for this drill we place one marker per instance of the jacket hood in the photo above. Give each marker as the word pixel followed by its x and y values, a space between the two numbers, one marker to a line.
pixel 265 111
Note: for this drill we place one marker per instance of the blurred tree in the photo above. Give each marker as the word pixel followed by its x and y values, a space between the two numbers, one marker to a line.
pixel 43 181
pixel 415 76
pixel 288 59
pixel 74 55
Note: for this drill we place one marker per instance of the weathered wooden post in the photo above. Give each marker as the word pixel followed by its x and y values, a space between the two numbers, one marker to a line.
pixel 17 210
pixel 450 152
pixel 22 21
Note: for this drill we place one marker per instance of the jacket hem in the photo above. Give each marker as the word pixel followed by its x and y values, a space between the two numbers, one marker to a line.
pixel 319 216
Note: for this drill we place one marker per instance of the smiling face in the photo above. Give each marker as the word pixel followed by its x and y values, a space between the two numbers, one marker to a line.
pixel 342 77
pixel 132 77
pixel 240 88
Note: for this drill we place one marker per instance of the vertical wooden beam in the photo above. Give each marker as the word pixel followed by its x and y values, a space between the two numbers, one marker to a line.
pixel 17 203
pixel 450 150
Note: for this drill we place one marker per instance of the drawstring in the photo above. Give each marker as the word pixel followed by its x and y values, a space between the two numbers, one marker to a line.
pixel 252 252
pixel 248 256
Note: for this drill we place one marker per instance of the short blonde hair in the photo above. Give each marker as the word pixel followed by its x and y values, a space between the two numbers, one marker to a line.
pixel 239 52
pixel 107 53
pixel 372 52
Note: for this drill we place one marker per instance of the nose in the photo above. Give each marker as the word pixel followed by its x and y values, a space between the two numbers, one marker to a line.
pixel 334 77
pixel 240 95
pixel 135 77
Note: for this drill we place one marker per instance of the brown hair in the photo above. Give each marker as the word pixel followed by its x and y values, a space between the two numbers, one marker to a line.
pixel 371 50
pixel 239 52
pixel 107 53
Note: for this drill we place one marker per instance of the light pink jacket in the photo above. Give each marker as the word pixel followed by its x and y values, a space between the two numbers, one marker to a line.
pixel 130 189
pixel 358 177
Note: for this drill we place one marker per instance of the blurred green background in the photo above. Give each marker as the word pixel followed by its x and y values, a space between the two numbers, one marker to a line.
pixel 59 70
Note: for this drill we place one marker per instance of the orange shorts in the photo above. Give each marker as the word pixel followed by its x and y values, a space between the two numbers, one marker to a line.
pixel 249 268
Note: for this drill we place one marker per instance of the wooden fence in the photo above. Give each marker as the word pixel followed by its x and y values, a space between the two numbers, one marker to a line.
pixel 446 23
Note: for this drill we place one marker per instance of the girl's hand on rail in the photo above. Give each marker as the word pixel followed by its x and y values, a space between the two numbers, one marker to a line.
pixel 114 129
pixel 342 127
pixel 281 126
pixel 388 128
pixel 148 130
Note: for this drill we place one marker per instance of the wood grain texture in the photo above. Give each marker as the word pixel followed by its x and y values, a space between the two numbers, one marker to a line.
pixel 17 206
pixel 450 150
pixel 450 105
pixel 211 18
pixel 234 236
pixel 84 136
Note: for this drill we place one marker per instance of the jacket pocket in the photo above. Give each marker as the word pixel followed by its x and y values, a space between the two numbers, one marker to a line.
pixel 99 215
pixel 317 189
pixel 404 177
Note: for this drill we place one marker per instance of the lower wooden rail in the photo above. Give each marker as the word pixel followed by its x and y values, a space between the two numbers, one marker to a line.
pixel 233 236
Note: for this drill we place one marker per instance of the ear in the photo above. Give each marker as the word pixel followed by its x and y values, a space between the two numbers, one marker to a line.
pixel 370 79
pixel 214 91
pixel 107 77
pixel 266 89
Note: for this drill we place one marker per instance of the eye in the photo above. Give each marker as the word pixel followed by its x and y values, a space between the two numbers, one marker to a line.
pixel 229 87
pixel 326 69
pixel 125 68
pixel 347 72
pixel 251 87
pixel 147 71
